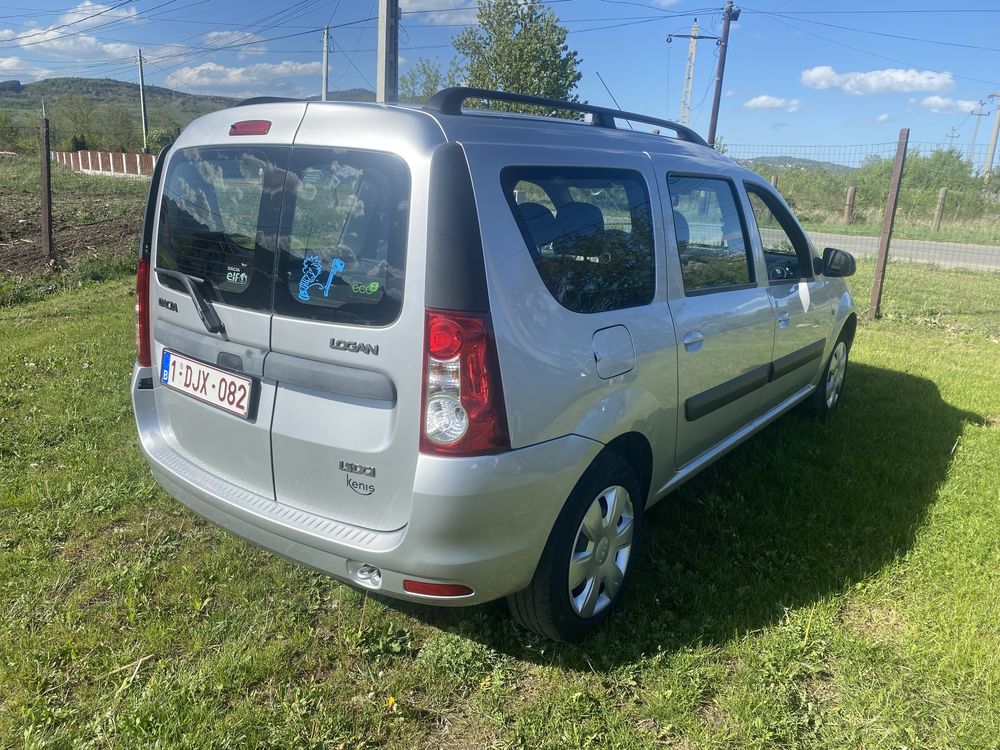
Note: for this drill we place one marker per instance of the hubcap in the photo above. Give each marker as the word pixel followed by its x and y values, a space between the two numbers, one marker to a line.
pixel 601 552
pixel 835 374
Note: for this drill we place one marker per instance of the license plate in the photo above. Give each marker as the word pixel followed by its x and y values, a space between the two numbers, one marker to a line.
pixel 220 388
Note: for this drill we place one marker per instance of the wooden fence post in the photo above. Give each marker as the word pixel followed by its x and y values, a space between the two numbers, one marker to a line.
pixel 46 190
pixel 849 204
pixel 875 307
pixel 940 208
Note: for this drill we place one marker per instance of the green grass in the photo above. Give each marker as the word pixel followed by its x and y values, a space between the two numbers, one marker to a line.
pixel 827 585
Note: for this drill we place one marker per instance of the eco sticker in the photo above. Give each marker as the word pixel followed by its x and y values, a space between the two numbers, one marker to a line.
pixel 366 288
pixel 312 268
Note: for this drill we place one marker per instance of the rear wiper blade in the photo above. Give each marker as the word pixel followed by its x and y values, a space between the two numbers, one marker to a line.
pixel 209 318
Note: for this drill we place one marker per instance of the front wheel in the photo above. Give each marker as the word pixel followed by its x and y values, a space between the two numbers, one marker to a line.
pixel 831 385
pixel 588 559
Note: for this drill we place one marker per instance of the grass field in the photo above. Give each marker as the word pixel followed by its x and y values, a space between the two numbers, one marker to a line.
pixel 828 585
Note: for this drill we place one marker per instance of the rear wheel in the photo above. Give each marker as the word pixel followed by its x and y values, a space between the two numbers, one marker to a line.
pixel 589 557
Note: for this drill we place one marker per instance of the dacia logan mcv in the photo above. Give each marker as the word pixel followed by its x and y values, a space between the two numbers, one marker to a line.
pixel 451 355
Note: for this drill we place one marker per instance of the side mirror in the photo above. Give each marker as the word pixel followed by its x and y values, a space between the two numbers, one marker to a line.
pixel 838 263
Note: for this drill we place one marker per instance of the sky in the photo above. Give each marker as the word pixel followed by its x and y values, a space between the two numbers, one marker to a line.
pixel 798 73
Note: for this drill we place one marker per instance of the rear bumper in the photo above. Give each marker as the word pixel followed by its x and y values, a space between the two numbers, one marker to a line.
pixel 481 522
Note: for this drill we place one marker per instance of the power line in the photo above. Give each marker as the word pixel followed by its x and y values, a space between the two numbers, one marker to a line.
pixel 794 26
pixel 886 34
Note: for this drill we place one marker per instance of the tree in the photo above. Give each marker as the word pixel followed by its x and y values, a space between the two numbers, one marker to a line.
pixel 122 130
pixel 520 47
pixel 9 140
pixel 74 121
pixel 424 79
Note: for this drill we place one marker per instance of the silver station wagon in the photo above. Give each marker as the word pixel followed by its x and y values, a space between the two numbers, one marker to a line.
pixel 451 355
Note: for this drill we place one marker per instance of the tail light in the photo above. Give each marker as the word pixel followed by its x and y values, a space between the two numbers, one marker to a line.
pixel 143 355
pixel 463 410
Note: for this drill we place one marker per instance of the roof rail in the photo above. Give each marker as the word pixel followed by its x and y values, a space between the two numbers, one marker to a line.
pixel 266 100
pixel 449 102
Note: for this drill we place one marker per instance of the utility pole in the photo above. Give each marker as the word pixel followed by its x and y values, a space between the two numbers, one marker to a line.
pixel 142 105
pixel 951 135
pixel 993 141
pixel 326 62
pixel 685 113
pixel 975 133
pixel 729 14
pixel 387 83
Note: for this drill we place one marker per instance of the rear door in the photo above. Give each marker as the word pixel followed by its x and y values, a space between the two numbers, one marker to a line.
pixel 723 317
pixel 217 226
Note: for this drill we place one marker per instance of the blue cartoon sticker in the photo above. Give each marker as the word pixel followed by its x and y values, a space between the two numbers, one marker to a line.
pixel 312 268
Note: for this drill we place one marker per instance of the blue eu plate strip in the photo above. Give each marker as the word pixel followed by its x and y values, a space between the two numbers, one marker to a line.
pixel 165 369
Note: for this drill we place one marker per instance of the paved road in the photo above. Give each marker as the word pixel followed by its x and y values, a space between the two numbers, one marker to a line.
pixel 947 254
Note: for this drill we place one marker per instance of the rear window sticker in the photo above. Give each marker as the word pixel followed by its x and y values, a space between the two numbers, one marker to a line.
pixel 236 275
pixel 312 268
pixel 371 288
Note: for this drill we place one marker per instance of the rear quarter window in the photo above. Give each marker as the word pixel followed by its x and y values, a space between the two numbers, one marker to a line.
pixel 588 231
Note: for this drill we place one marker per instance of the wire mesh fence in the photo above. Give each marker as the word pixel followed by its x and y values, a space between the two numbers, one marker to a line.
pixel 943 263
pixel 948 212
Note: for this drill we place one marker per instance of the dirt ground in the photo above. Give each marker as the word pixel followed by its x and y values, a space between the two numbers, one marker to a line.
pixel 88 222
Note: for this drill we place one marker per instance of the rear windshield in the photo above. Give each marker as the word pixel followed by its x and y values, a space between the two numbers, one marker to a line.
pixel 308 232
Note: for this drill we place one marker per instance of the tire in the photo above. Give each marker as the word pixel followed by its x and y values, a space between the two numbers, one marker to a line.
pixel 829 390
pixel 549 606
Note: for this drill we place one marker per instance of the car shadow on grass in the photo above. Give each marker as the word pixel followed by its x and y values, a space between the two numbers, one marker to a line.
pixel 804 509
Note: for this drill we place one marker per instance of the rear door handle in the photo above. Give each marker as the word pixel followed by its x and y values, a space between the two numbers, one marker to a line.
pixel 693 340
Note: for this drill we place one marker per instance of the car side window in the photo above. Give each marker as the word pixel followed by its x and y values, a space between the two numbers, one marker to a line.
pixel 786 249
pixel 711 235
pixel 589 232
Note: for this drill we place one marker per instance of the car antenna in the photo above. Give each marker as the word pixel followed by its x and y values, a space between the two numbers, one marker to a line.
pixel 612 96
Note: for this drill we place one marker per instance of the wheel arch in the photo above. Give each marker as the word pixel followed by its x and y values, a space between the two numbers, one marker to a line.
pixel 849 328
pixel 634 447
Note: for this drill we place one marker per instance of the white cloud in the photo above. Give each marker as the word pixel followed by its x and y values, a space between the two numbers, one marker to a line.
pixel 65 38
pixel 250 44
pixel 884 117
pixel 765 101
pixel 85 15
pixel 429 12
pixel 877 81
pixel 78 47
pixel 15 67
pixel 251 80
pixel 944 105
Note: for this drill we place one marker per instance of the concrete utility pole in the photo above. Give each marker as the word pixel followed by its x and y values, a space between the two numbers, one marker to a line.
pixel 729 14
pixel 387 83
pixel 993 141
pixel 685 112
pixel 326 62
pixel 975 133
pixel 142 104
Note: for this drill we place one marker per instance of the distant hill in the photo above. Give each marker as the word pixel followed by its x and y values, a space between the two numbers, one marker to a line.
pixel 113 101
pixel 787 162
